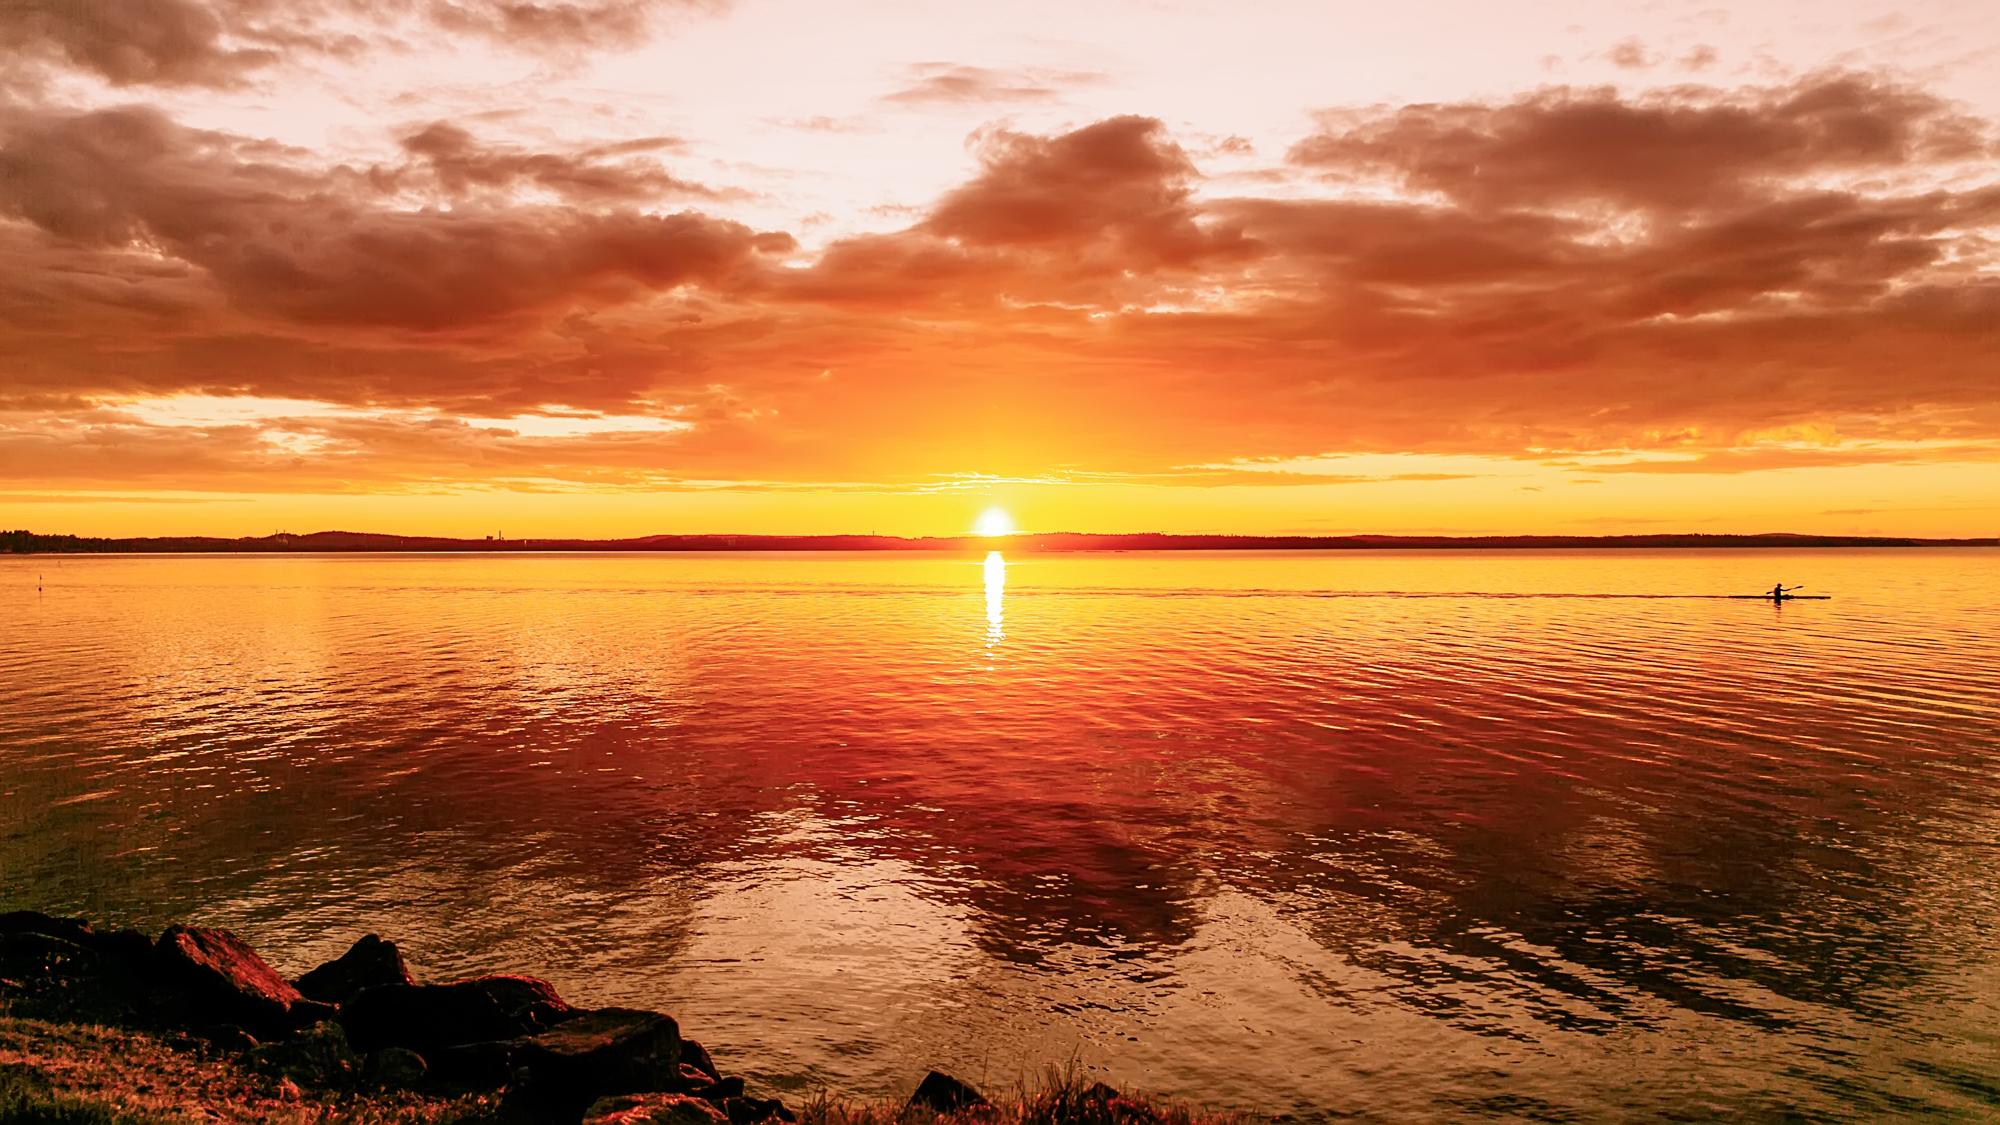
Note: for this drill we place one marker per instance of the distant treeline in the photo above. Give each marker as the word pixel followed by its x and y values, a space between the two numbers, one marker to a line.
pixel 28 542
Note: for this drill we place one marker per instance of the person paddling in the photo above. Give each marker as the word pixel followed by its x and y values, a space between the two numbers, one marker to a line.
pixel 1779 591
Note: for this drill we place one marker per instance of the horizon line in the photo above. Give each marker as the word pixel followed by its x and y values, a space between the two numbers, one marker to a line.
pixel 22 541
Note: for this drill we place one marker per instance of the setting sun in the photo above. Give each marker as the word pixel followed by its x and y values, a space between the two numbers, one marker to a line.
pixel 993 522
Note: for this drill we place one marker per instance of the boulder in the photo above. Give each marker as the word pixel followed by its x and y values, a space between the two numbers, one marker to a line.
pixel 222 980
pixel 720 1090
pixel 306 1013
pixel 695 1055
pixel 129 949
pixel 426 1017
pixel 120 945
pixel 368 963
pixel 318 1057
pixel 76 978
pixel 1099 1092
pixel 755 1111
pixel 29 958
pixel 474 1066
pixel 394 1068
pixel 652 1109
pixel 74 930
pixel 941 1093
pixel 693 1080
pixel 599 1053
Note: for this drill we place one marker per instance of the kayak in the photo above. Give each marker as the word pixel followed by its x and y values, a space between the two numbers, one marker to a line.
pixel 1786 598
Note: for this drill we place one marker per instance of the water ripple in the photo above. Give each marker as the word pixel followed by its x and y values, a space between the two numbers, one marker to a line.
pixel 1395 835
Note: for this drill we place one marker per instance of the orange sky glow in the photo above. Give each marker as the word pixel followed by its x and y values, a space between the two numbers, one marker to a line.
pixel 619 267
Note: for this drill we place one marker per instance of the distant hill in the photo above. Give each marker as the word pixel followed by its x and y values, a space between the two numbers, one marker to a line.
pixel 28 542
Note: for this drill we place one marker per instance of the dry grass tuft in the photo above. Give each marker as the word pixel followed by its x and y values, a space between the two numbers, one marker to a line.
pixel 1063 1097
pixel 71 1074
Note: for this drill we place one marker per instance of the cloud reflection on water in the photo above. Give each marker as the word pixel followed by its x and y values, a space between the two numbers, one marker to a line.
pixel 1215 836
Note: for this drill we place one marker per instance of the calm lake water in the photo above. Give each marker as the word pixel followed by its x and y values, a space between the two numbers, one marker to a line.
pixel 1399 835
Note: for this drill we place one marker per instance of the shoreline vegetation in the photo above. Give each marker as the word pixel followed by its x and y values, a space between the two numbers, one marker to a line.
pixel 110 1027
pixel 23 542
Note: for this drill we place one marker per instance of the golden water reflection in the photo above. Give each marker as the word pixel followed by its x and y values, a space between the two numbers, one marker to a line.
pixel 996 597
pixel 1398 835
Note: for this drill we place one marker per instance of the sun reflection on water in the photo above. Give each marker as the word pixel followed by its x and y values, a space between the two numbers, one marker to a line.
pixel 996 597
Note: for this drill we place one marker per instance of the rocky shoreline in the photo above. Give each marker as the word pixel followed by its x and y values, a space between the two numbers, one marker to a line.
pixel 363 1023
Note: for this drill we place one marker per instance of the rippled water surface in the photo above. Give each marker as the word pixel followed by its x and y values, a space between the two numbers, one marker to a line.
pixel 1390 834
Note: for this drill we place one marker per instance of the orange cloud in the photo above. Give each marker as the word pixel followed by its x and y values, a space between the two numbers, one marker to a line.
pixel 224 43
pixel 952 84
pixel 1681 149
pixel 459 166
pixel 280 239
pixel 1570 274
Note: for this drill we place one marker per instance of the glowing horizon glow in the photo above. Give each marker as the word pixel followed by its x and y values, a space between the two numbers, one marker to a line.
pixel 994 523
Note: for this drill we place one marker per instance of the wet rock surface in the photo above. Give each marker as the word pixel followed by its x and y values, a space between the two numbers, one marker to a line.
pixel 225 980
pixel 941 1093
pixel 369 963
pixel 695 1055
pixel 393 1067
pixel 594 1054
pixel 426 1017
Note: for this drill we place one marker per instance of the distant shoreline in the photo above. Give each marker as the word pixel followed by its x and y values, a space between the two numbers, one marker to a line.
pixel 27 543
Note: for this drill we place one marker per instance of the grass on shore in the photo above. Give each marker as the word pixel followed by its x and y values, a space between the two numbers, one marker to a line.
pixel 1064 1097
pixel 72 1074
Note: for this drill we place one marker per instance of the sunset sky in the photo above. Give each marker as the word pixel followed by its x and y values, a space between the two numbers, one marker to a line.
pixel 615 267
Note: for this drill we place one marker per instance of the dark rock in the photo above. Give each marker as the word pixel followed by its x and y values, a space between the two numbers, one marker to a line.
pixel 306 1013
pixel 394 1067
pixel 652 1109
pixel 1104 1103
pixel 751 1111
pixel 29 956
pixel 223 980
pixel 128 948
pixel 319 1057
pixel 941 1093
pixel 474 1066
pixel 695 1055
pixel 426 1017
pixel 692 1079
pixel 599 1053
pixel 129 945
pixel 55 978
pixel 721 1089
pixel 368 963
pixel 530 1000
pixel 125 953
pixel 74 930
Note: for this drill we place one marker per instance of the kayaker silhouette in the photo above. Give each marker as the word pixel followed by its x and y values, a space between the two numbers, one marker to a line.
pixel 1779 591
